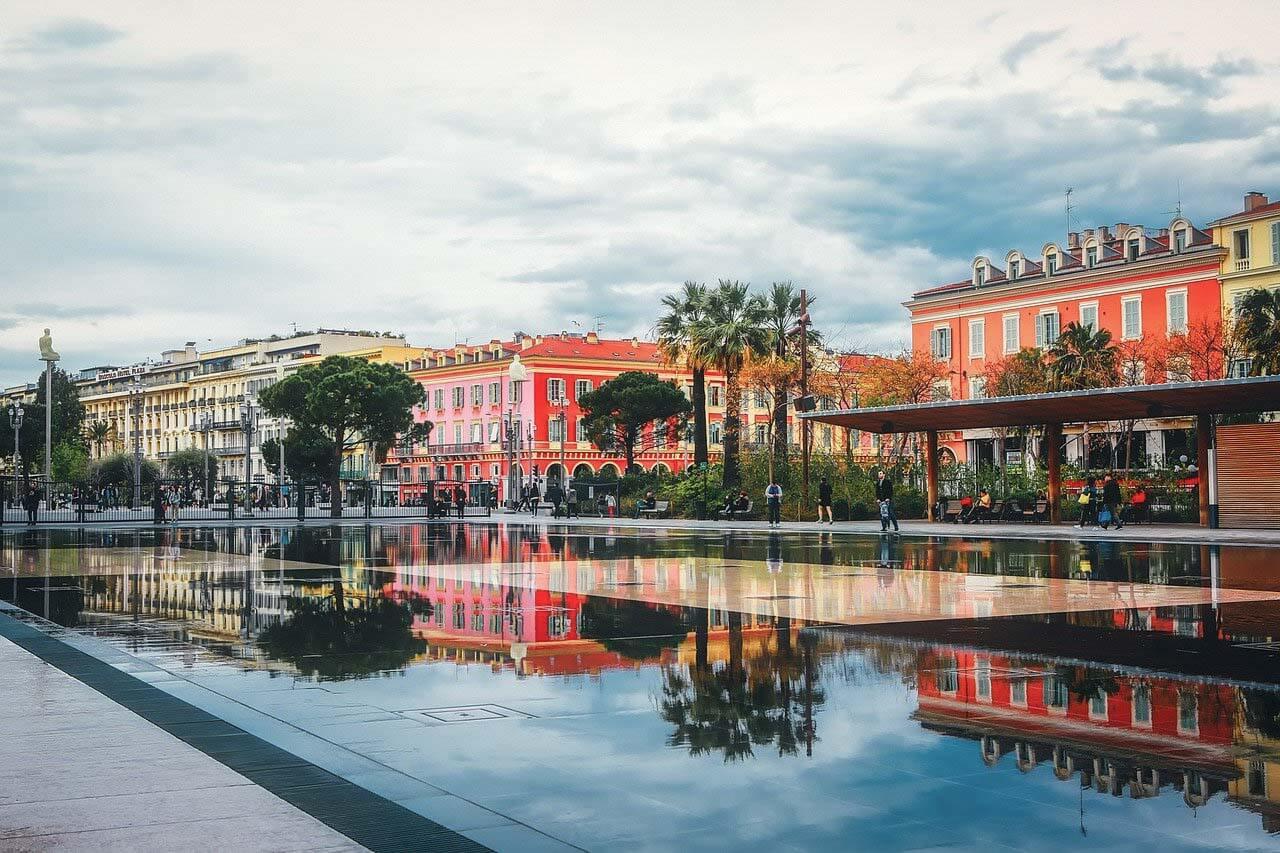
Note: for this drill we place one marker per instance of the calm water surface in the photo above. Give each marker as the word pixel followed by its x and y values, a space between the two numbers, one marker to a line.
pixel 614 692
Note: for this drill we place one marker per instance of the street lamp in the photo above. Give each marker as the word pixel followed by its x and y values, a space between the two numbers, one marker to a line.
pixel 15 424
pixel 563 403
pixel 135 406
pixel 206 426
pixel 516 375
pixel 248 424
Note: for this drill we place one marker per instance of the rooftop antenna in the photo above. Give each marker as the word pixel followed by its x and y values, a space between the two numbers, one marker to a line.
pixel 1177 207
pixel 1070 207
pixel 599 323
pixel 295 327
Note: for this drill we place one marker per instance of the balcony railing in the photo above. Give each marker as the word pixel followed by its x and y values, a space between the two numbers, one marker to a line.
pixel 1242 264
pixel 464 449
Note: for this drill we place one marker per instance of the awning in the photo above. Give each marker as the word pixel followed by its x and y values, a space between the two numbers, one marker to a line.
pixel 1173 399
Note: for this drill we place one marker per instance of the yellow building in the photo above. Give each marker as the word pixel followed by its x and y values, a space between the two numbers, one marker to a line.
pixel 191 399
pixel 1252 240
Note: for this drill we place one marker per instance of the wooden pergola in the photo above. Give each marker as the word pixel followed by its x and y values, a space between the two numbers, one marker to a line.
pixel 1201 400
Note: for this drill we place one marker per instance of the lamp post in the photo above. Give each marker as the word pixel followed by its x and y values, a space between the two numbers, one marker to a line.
pixel 206 426
pixel 516 375
pixel 15 424
pixel 50 358
pixel 802 326
pixel 563 403
pixel 135 406
pixel 248 424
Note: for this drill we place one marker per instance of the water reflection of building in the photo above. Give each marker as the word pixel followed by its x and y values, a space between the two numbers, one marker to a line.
pixel 1119 732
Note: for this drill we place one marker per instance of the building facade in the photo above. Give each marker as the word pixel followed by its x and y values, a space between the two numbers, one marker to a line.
pixel 1141 285
pixel 1251 260
pixel 194 400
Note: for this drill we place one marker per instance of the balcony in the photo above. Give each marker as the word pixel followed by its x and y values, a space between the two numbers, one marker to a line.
pixel 1242 264
pixel 466 449
pixel 229 450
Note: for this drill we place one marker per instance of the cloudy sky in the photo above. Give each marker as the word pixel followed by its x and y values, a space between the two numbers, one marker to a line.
pixel 209 171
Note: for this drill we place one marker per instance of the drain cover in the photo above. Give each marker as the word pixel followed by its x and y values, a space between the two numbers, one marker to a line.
pixel 465 714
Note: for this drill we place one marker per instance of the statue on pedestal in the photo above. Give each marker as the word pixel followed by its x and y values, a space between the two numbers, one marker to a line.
pixel 46 348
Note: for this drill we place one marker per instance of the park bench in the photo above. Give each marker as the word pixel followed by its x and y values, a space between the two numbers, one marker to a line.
pixel 1037 513
pixel 738 513
pixel 658 510
pixel 951 511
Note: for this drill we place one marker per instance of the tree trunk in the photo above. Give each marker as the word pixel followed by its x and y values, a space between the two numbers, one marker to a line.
pixel 335 481
pixel 699 416
pixel 780 444
pixel 732 428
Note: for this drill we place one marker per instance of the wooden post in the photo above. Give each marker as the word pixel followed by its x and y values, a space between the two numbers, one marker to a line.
pixel 1053 435
pixel 1204 431
pixel 931 471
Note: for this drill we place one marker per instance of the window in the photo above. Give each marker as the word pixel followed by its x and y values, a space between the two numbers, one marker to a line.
pixel 1141 705
pixel 1131 249
pixel 1089 315
pixel 1188 713
pixel 495 392
pixel 1054 692
pixel 580 387
pixel 977 387
pixel 1240 240
pixel 1091 256
pixel 714 393
pixel 1010 334
pixel 659 434
pixel 979 276
pixel 1131 311
pixel 580 432
pixel 947 676
pixel 555 390
pixel 459 615
pixel 1098 705
pixel 977 338
pixel 1275 242
pixel 940 342
pixel 1180 240
pixel 1051 263
pixel 1018 692
pixel 1014 268
pixel 457 433
pixel 495 432
pixel 553 429
pixel 477 394
pixel 982 680
pixel 1176 303
pixel 457 396
pixel 1046 328
pixel 942 389
pixel 424 474
pixel 513 391
pixel 439 398
pixel 713 432
pixel 477 433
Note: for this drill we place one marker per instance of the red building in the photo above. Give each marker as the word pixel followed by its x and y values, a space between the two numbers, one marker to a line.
pixel 1140 285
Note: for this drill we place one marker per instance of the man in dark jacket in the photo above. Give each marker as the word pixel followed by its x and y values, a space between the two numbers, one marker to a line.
pixel 31 503
pixel 884 496
pixel 1112 499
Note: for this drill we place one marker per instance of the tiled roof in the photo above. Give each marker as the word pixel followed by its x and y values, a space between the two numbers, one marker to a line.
pixel 605 349
pixel 1273 207
pixel 956 285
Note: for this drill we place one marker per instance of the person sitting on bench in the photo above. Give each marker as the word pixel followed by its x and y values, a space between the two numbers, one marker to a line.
pixel 966 510
pixel 981 510
pixel 649 501
pixel 734 505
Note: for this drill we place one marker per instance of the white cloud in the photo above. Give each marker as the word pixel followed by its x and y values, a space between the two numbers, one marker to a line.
pixel 460 172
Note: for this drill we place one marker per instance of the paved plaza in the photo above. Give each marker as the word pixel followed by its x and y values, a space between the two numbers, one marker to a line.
pixel 536 686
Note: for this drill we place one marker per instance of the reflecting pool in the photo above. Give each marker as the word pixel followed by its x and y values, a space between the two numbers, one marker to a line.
pixel 644 689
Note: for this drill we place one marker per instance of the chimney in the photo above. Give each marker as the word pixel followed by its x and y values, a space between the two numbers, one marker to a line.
pixel 593 337
pixel 1087 234
pixel 1253 200
pixel 1121 229
pixel 1104 234
pixel 1073 239
pixel 635 342
pixel 526 342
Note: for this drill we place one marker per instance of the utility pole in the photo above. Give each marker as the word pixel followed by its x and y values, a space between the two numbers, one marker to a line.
pixel 805 427
pixel 135 400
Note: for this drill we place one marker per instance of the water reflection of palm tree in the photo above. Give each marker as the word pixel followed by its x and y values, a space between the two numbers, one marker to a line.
pixel 734 708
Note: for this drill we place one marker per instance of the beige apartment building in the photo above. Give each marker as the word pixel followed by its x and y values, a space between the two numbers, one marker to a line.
pixel 194 399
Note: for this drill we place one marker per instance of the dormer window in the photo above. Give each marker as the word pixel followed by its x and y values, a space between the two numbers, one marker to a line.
pixel 1180 240
pixel 1051 263
pixel 1014 268
pixel 1091 256
pixel 979 276
pixel 1131 247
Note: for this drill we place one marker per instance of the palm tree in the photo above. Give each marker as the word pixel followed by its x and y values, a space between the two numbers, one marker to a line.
pixel 99 433
pixel 675 341
pixel 1259 329
pixel 782 305
pixel 731 330
pixel 1082 358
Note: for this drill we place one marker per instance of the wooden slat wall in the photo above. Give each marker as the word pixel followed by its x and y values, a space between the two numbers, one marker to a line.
pixel 1249 475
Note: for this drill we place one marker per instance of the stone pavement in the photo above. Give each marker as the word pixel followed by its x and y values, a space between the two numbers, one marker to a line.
pixel 79 772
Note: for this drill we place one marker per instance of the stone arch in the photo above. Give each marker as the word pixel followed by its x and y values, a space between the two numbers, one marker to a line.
pixel 583 471
pixel 609 471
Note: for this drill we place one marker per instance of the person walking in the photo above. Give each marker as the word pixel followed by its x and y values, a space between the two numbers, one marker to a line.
pixel 824 501
pixel 460 500
pixel 773 498
pixel 555 497
pixel 884 497
pixel 1112 500
pixel 534 497
pixel 571 502
pixel 157 505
